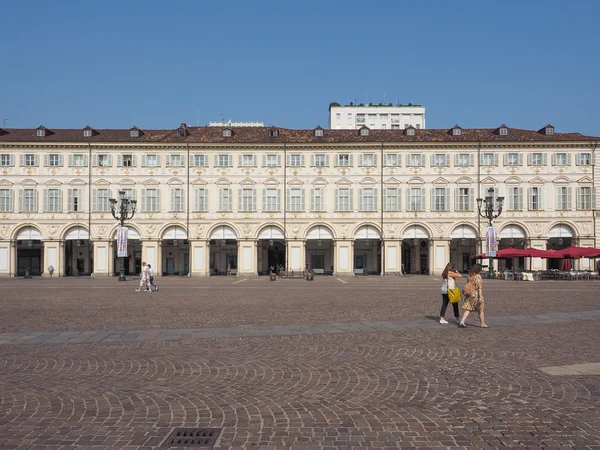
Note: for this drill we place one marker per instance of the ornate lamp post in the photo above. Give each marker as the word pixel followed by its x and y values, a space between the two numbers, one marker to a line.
pixel 490 214
pixel 124 211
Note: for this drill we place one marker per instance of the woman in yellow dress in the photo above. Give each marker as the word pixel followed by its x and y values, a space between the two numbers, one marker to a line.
pixel 474 296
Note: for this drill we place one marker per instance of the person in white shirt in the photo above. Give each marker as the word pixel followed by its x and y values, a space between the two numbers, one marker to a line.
pixel 144 279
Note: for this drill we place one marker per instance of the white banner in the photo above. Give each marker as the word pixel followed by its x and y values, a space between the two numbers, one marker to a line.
pixel 122 242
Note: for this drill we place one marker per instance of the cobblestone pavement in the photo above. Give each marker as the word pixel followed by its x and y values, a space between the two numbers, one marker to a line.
pixel 351 363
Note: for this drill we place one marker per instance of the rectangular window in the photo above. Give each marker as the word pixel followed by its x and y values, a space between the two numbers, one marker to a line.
pixel 489 159
pixel 320 160
pixel 295 161
pixel 415 160
pixel 104 160
pixel 360 118
pixel 395 118
pixel 317 199
pixel 127 160
pixel 198 160
pixel 537 159
pixel 368 160
pixel 585 159
pixel 368 199
pixel 440 160
pixel 563 198
pixel 6 200
pixel 440 199
pixel 535 199
pixel 79 160
pixel 177 200
pixel 247 160
pixel 464 199
pixel 75 200
pixel 271 199
pixel 515 199
pixel 464 160
pixel 392 160
pixel 6 160
pixel 349 116
pixel 272 160
pixel 561 159
pixel 151 200
pixel 30 160
pixel 343 160
pixel 201 200
pixel 372 116
pixel 395 126
pixel 53 200
pixel 392 199
pixel 225 199
pixel 223 160
pixel 100 198
pixel 247 200
pixel 343 199
pixel 295 200
pixel 29 200
pixel 416 199
pixel 586 196
pixel 512 159
pixel 54 160
pixel 151 161
pixel 175 161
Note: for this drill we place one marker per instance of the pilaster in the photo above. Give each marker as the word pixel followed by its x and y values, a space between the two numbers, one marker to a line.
pixel 344 258
pixel 51 254
pixel 101 258
pixel 440 256
pixel 393 256
pixel 247 257
pixel 296 253
pixel 199 252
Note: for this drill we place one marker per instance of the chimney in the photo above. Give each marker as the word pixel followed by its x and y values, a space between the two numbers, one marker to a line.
pixel 183 125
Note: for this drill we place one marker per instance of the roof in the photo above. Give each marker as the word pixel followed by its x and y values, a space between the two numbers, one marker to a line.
pixel 261 135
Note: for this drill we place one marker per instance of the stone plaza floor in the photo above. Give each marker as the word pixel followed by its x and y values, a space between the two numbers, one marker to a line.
pixel 334 363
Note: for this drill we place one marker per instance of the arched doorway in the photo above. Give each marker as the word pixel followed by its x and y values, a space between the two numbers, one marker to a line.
pixel 463 246
pixel 175 251
pixel 512 236
pixel 78 252
pixel 415 250
pixel 30 252
pixel 319 250
pixel 133 262
pixel 270 250
pixel 367 251
pixel 223 251
pixel 559 237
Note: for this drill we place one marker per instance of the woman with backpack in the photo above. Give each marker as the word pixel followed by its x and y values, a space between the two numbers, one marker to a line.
pixel 448 282
pixel 473 292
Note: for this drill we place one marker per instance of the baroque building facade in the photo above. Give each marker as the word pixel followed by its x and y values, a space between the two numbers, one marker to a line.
pixel 347 202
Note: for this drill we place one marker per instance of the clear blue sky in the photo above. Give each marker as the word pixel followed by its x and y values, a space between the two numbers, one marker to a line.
pixel 115 64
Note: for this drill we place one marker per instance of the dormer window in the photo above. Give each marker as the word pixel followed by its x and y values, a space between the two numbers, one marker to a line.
pixel 364 131
pixel 180 133
pixel 549 131
pixel 456 131
pixel 273 133
pixel 87 133
pixel 503 131
pixel 227 132
pixel 410 131
pixel 319 132
pixel 134 133
pixel 41 133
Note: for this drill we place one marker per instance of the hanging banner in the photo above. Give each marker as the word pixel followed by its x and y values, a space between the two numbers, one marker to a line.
pixel 491 241
pixel 122 242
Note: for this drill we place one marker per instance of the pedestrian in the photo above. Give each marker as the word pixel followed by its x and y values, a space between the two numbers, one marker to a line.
pixel 144 279
pixel 448 282
pixel 229 269
pixel 403 269
pixel 473 292
pixel 151 279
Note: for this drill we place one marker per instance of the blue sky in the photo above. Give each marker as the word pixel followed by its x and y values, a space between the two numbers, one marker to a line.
pixel 115 64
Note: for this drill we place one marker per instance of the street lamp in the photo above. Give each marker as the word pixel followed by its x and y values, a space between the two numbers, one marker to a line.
pixel 123 212
pixel 490 214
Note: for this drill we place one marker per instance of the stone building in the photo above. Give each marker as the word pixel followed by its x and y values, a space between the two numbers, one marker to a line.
pixel 342 201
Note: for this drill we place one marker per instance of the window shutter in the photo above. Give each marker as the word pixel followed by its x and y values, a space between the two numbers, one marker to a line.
pixel 471 199
pixel 70 160
pixel 278 202
pixel 302 203
pixel 288 160
pixel 264 161
pixel 361 160
pixel 60 200
pixel 447 160
pixel 375 200
pixel 158 200
pixel 568 159
pixel 288 197
pixel 240 160
pixel 456 199
pixel 447 203
pixel 240 200
pixel 22 160
pixel 70 200
pixel 520 197
pixel 35 200
pixel 216 160
pixel 544 159
pixel 553 159
pixel 302 160
pixel 579 199
pixel 95 160
pixel 11 194
pixel 423 201
pixel 196 199
pixel 158 158
pixel 337 200
pixel 253 204
pixel 119 160
pixel 134 161
pixel 520 159
pixel 173 198
pixel 530 205
pixel 432 195
pixel 351 197
pixel 593 198
pixel 375 160
pixel 21 199
pixel 254 161
pixel 593 160
pixel 264 199
pixel 579 159
pixel 495 163
pixel 327 160
pixel 46 160
pixel 45 200
pixel 312 160
pixel 144 203
pixel 191 161
pixel 351 160
pixel 94 197
pixel 569 195
pixel 85 160
pixel 278 160
pixel 361 199
pixel 505 159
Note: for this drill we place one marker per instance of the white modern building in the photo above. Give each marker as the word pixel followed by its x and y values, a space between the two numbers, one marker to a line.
pixel 376 117
pixel 343 201
pixel 231 123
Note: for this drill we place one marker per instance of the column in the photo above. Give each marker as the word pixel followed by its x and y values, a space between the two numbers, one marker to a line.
pixel 296 254
pixel 101 258
pixel 344 258
pixel 393 256
pixel 198 258
pixel 441 256
pixel 151 254
pixel 5 252
pixel 12 266
pixel 51 252
pixel 247 258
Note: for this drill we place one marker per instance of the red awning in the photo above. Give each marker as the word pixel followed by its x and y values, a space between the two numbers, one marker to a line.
pixel 580 252
pixel 537 253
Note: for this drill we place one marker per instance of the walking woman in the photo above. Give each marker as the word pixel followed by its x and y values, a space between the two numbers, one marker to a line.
pixel 448 282
pixel 473 291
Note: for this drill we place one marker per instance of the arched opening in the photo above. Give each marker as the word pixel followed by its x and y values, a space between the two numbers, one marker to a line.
pixel 78 252
pixel 463 246
pixel 367 251
pixel 175 252
pixel 512 236
pixel 223 251
pixel 30 252
pixel 415 250
pixel 133 261
pixel 319 250
pixel 559 237
pixel 270 250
